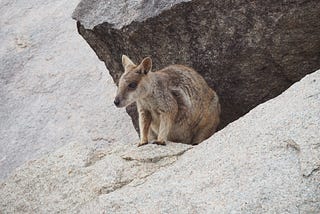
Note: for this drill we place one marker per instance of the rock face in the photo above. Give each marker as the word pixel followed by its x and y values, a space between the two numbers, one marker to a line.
pixel 78 173
pixel 267 161
pixel 248 51
pixel 53 89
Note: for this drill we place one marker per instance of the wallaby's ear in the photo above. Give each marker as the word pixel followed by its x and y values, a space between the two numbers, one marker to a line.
pixel 146 65
pixel 126 62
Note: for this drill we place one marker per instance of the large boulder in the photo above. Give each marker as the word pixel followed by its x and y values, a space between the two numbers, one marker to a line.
pixel 266 162
pixel 53 89
pixel 248 51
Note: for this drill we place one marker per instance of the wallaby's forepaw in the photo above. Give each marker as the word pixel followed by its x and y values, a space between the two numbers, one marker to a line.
pixel 142 143
pixel 159 142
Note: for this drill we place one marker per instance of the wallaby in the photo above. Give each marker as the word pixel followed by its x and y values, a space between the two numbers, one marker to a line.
pixel 174 104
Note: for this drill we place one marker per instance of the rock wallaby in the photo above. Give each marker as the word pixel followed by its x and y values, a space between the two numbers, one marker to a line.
pixel 174 104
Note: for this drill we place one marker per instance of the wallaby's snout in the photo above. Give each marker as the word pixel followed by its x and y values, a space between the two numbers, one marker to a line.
pixel 117 101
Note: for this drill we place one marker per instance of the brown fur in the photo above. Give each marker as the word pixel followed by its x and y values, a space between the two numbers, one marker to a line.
pixel 174 103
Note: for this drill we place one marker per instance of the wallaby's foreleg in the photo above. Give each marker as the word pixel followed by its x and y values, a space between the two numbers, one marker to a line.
pixel 152 135
pixel 166 122
pixel 144 125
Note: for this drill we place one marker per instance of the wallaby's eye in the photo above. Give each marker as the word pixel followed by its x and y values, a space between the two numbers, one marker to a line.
pixel 132 85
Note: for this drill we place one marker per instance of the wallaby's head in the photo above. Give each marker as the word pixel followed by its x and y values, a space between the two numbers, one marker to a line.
pixel 131 87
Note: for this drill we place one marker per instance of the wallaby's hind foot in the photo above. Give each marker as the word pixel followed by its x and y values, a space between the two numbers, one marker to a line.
pixel 142 143
pixel 162 143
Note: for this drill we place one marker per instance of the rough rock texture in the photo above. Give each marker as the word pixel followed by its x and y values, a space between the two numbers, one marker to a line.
pixel 121 12
pixel 53 89
pixel 78 173
pixel 249 51
pixel 266 162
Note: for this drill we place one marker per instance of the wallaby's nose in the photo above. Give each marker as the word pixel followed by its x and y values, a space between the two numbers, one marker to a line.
pixel 117 101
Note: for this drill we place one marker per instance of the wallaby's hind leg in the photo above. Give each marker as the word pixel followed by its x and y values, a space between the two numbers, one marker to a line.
pixel 201 136
pixel 204 133
pixel 209 123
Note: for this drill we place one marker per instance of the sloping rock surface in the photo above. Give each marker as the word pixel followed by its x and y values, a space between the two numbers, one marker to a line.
pixel 78 173
pixel 53 89
pixel 266 162
pixel 249 51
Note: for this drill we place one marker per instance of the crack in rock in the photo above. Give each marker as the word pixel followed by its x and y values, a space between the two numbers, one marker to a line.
pixel 309 174
pixel 102 139
pixel 292 144
pixel 151 159
pixel 114 187
pixel 138 180
pixel 143 179
pixel 93 157
pixel 313 95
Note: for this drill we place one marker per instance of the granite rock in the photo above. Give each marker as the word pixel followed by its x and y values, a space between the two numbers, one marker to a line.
pixel 77 173
pixel 53 89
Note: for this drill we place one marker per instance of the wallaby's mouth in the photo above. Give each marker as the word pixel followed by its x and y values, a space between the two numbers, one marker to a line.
pixel 120 103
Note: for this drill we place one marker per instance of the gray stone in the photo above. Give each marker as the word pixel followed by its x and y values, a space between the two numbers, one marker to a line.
pixel 120 13
pixel 53 89
pixel 248 51
pixel 78 173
